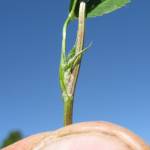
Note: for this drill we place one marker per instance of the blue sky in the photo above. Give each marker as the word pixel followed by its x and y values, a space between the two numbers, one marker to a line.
pixel 114 82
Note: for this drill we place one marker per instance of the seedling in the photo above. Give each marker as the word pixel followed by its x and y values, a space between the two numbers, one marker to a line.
pixel 70 63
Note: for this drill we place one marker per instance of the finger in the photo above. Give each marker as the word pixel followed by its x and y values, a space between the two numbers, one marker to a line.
pixel 27 143
pixel 90 135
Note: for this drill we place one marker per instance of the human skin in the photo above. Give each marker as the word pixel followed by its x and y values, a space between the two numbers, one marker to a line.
pixel 83 136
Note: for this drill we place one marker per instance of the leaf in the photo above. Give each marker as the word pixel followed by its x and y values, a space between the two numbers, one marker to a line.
pixel 99 7
pixel 107 6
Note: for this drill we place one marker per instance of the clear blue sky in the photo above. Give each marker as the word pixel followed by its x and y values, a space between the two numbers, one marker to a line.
pixel 114 82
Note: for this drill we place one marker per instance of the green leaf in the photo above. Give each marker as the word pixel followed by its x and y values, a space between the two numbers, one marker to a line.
pixel 105 7
pixel 99 7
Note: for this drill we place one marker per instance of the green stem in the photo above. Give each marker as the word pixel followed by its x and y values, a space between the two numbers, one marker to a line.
pixel 68 101
pixel 68 111
pixel 68 85
pixel 74 75
pixel 69 18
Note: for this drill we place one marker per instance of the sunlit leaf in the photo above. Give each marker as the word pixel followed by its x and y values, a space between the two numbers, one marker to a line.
pixel 99 7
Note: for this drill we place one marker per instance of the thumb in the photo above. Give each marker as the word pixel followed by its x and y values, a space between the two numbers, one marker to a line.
pixel 88 135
